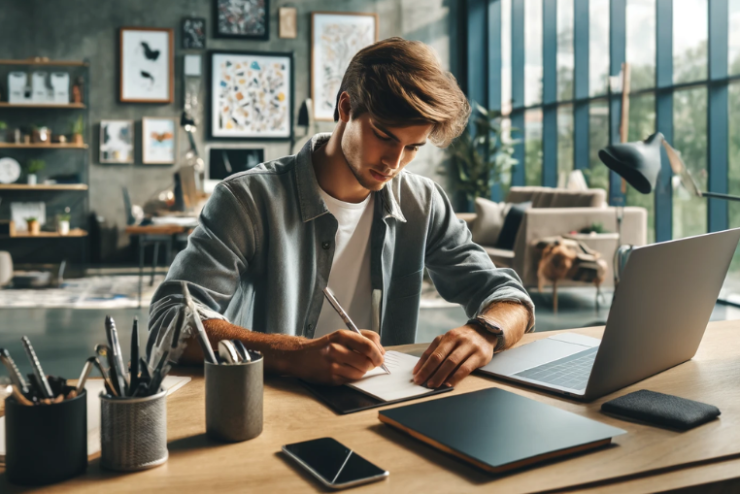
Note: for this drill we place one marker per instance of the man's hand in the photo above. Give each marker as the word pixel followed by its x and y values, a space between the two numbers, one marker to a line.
pixel 337 358
pixel 454 355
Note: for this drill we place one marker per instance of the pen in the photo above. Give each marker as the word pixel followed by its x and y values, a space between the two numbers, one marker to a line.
pixel 85 374
pixel 202 336
pixel 104 352
pixel 158 375
pixel 20 398
pixel 242 351
pixel 146 374
pixel 345 317
pixel 227 351
pixel 105 375
pixel 37 370
pixel 134 380
pixel 15 375
pixel 115 347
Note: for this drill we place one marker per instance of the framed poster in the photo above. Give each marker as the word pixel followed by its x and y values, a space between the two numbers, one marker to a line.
pixel 146 65
pixel 193 33
pixel 249 19
pixel 335 38
pixel 158 140
pixel 251 95
pixel 116 141
pixel 288 22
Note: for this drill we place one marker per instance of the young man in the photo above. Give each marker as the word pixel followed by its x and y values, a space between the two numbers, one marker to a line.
pixel 344 213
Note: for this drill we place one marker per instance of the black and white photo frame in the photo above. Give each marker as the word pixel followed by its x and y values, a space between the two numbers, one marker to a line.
pixel 146 65
pixel 250 95
pixel 248 19
pixel 193 33
pixel 117 141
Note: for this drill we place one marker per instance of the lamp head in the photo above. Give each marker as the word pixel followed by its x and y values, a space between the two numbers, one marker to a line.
pixel 636 162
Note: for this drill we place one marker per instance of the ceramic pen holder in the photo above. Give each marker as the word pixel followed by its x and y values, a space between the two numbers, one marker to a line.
pixel 45 443
pixel 234 399
pixel 133 432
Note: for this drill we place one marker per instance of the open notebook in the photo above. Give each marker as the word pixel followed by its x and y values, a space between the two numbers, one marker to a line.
pixel 394 386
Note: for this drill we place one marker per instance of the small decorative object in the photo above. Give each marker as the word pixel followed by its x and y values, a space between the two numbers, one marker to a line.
pixel 192 65
pixel 33 225
pixel 17 136
pixel 336 38
pixel 19 211
pixel 117 141
pixel 10 170
pixel 60 87
pixel 78 129
pixel 288 26
pixel 33 167
pixel 61 139
pixel 3 130
pixel 18 89
pixel 242 19
pixel 77 90
pixel 194 33
pixel 63 222
pixel 26 139
pixel 158 141
pixel 251 95
pixel 41 135
pixel 147 65
pixel 39 88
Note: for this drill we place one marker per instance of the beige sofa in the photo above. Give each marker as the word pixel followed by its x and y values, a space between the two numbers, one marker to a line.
pixel 554 212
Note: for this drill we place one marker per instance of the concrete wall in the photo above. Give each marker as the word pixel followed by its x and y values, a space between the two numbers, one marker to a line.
pixel 79 29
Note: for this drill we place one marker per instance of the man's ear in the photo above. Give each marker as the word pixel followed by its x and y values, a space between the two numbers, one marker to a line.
pixel 344 107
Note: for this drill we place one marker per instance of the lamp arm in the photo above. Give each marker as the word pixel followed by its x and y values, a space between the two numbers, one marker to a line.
pixel 717 195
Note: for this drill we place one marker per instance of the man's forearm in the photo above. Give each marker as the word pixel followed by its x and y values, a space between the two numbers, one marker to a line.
pixel 274 347
pixel 512 317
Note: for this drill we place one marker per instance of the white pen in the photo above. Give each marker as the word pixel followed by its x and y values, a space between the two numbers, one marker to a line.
pixel 202 336
pixel 345 317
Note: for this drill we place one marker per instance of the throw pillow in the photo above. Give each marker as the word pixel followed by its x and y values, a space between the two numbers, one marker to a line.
pixel 489 219
pixel 511 225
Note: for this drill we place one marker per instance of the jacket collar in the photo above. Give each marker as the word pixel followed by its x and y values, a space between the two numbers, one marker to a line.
pixel 312 205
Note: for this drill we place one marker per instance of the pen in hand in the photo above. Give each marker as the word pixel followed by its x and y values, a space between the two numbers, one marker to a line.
pixel 345 317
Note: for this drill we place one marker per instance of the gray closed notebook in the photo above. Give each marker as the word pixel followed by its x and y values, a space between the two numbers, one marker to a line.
pixel 497 430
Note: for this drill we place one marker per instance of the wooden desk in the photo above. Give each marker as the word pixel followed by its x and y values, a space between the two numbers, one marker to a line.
pixel 647 459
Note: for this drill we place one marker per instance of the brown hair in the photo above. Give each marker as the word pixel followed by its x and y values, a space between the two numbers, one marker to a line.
pixel 402 82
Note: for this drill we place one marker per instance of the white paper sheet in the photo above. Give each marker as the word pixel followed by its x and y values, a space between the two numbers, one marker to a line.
pixel 94 388
pixel 394 386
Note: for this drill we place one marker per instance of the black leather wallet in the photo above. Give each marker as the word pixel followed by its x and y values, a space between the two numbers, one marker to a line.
pixel 661 409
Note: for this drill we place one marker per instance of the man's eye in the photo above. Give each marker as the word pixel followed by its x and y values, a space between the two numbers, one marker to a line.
pixel 413 148
pixel 381 137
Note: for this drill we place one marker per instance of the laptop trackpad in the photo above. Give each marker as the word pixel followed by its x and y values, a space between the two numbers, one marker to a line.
pixel 539 352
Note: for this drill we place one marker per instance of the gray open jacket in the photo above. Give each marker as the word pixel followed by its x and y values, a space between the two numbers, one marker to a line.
pixel 264 247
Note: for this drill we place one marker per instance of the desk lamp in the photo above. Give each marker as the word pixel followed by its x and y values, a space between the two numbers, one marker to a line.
pixel 639 164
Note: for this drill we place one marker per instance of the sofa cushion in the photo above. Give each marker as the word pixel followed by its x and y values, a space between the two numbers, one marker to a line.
pixel 501 258
pixel 511 225
pixel 489 219
pixel 523 194
pixel 561 198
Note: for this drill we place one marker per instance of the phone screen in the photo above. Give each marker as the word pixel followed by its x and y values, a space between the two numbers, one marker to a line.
pixel 333 462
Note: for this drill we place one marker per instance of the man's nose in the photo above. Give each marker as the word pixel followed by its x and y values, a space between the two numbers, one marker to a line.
pixel 393 158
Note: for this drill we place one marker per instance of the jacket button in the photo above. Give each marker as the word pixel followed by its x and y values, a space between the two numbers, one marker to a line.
pixel 309 327
pixel 325 245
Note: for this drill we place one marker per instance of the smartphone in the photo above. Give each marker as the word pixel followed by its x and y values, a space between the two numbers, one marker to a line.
pixel 333 463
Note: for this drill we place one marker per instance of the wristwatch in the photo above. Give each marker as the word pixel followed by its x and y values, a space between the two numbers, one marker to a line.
pixel 492 328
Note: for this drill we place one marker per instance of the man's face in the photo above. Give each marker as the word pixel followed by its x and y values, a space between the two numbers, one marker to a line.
pixel 375 153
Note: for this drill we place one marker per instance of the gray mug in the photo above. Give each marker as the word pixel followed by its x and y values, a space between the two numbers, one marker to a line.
pixel 234 399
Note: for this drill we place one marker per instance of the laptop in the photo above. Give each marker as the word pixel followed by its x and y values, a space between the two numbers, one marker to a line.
pixel 657 319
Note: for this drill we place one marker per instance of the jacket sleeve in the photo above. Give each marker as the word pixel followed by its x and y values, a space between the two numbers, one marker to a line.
pixel 218 252
pixel 461 270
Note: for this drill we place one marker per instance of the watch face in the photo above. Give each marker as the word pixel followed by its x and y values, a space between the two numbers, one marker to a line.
pixel 10 170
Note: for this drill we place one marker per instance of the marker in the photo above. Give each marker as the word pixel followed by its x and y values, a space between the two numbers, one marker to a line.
pixel 37 370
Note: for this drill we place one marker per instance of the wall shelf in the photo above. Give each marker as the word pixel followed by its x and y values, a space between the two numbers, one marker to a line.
pixel 68 63
pixel 75 233
pixel 41 187
pixel 65 106
pixel 53 145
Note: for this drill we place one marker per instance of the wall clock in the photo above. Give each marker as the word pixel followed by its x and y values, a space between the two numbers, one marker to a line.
pixel 10 170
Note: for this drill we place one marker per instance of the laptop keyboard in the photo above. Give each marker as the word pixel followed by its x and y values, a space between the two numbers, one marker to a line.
pixel 568 372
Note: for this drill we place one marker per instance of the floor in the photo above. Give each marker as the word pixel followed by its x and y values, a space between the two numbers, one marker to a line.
pixel 64 338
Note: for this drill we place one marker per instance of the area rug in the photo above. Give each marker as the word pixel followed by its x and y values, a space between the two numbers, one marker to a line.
pixel 93 292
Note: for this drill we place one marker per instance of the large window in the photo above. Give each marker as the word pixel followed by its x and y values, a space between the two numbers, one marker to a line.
pixel 640 41
pixel 641 125
pixel 533 147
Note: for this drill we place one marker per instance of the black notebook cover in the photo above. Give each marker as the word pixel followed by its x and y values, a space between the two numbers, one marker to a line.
pixel 343 399
pixel 497 430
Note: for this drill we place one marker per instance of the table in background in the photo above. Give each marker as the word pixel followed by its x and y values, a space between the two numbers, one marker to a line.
pixel 647 459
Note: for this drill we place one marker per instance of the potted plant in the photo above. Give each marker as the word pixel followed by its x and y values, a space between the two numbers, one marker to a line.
pixel 40 134
pixel 63 222
pixel 3 130
pixel 33 167
pixel 482 159
pixel 34 228
pixel 78 129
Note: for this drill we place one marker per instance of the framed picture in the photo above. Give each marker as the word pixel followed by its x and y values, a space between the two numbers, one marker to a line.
pixel 158 141
pixel 227 159
pixel 251 95
pixel 335 38
pixel 193 33
pixel 242 19
pixel 146 65
pixel 116 141
pixel 288 25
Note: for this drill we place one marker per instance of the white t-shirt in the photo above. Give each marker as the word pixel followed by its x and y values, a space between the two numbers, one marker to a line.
pixel 349 277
